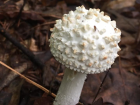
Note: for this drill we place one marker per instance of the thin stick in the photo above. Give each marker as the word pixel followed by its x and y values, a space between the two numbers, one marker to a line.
pixel 13 75
pixel 28 53
pixel 46 23
pixel 100 87
pixel 19 15
pixel 30 81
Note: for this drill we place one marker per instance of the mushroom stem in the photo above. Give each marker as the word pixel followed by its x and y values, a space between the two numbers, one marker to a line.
pixel 70 89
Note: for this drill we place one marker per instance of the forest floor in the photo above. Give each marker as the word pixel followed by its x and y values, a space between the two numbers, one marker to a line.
pixel 24 46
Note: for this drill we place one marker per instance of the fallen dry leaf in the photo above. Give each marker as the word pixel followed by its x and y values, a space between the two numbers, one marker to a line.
pixel 44 100
pixel 119 87
pixel 118 4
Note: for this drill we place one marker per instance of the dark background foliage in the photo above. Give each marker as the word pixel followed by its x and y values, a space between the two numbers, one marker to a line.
pixel 29 23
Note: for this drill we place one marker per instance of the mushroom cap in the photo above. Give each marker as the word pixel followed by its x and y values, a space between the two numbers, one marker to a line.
pixel 85 40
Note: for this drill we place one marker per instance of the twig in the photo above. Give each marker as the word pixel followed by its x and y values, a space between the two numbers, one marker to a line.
pixel 46 23
pixel 123 82
pixel 122 17
pixel 30 55
pixel 13 75
pixel 30 81
pixel 100 87
pixel 131 65
pixel 18 17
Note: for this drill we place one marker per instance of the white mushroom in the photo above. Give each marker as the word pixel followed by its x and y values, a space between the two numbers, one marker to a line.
pixel 85 42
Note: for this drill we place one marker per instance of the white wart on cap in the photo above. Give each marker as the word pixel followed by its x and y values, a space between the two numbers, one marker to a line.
pixel 85 40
